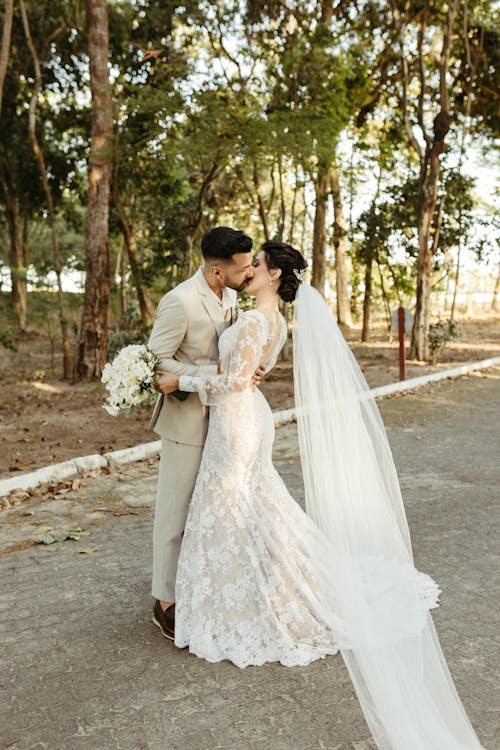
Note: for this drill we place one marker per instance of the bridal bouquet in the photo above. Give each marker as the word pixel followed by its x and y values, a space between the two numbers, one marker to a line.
pixel 130 378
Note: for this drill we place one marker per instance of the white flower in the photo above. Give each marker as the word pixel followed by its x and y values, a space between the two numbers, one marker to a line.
pixel 130 378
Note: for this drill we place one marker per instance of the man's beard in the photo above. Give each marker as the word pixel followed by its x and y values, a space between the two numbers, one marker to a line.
pixel 240 288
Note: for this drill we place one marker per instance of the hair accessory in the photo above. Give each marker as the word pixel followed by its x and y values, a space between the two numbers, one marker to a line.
pixel 300 274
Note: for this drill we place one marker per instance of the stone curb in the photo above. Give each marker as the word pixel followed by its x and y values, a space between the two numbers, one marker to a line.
pixel 75 466
pixel 289 415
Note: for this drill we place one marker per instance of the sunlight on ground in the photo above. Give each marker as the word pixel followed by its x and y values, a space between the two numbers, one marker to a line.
pixel 45 387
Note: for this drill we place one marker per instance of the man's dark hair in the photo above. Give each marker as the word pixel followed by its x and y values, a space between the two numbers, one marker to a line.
pixel 221 243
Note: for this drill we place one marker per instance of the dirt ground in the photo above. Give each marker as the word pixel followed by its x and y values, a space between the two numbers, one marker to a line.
pixel 44 420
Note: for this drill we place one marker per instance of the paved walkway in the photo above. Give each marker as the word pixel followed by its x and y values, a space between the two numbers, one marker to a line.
pixel 84 668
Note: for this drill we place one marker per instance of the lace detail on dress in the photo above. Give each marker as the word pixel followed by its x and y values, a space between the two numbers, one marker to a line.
pixel 247 588
pixel 240 347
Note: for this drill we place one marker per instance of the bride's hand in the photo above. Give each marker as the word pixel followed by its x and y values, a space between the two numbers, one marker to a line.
pixel 166 382
pixel 258 375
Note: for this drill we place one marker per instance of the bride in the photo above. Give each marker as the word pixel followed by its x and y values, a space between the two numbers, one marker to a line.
pixel 258 580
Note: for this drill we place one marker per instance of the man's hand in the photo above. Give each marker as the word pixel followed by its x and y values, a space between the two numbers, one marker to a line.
pixel 166 382
pixel 258 375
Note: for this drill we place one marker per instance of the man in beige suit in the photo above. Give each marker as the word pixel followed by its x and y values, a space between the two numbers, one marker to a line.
pixel 188 323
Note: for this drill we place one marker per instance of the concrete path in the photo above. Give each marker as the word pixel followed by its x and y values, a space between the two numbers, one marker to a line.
pixel 82 666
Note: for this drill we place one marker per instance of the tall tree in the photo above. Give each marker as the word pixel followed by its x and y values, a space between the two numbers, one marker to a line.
pixel 16 260
pixel 93 342
pixel 5 46
pixel 56 257
pixel 429 153
pixel 340 241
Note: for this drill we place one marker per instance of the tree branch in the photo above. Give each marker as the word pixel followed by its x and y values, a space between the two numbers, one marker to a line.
pixel 404 86
pixel 421 72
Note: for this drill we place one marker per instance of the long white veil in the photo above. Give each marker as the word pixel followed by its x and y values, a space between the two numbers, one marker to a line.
pixel 374 600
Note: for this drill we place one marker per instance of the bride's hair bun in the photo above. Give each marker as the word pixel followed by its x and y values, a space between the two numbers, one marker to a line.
pixel 290 261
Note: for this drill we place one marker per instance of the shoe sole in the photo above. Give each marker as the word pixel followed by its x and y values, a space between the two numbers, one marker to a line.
pixel 165 635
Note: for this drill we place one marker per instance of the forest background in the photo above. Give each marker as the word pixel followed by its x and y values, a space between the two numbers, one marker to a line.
pixel 364 133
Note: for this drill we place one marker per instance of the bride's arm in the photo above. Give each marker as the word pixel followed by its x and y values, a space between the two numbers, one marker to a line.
pixel 238 368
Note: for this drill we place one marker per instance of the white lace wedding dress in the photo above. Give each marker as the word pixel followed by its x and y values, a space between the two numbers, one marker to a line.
pixel 249 586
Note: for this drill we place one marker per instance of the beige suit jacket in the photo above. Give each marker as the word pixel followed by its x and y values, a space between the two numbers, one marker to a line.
pixel 188 323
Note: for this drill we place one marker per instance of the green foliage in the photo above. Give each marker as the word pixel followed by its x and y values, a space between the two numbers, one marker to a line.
pixel 219 104
pixel 479 80
pixel 121 336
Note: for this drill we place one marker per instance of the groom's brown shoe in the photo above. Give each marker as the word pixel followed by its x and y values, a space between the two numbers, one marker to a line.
pixel 165 620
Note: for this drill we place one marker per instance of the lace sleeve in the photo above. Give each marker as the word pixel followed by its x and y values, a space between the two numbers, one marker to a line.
pixel 238 366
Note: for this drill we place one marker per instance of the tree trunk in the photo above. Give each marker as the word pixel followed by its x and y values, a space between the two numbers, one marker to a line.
pixel 286 352
pixel 355 281
pixel 145 304
pixel 367 301
pixel 5 48
pixel 419 343
pixel 456 280
pixel 321 189
pixel 293 208
pixel 385 297
pixel 188 257
pixel 494 300
pixel 93 342
pixel 282 213
pixel 428 197
pixel 121 269
pixel 340 241
pixel 17 269
pixel 56 259
pixel 260 202
pixel 24 242
pixel 429 157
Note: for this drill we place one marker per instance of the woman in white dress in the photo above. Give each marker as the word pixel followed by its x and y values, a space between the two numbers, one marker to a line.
pixel 258 580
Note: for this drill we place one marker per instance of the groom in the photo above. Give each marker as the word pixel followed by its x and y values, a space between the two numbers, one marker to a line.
pixel 188 323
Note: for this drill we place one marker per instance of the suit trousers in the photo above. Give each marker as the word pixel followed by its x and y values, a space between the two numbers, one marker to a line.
pixel 179 466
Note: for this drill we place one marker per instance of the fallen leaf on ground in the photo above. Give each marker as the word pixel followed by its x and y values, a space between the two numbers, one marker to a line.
pixel 60 535
pixel 18 495
pixel 88 550
pixel 11 743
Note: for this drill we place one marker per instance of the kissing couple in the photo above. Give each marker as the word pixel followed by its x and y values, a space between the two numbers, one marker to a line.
pixel 240 572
